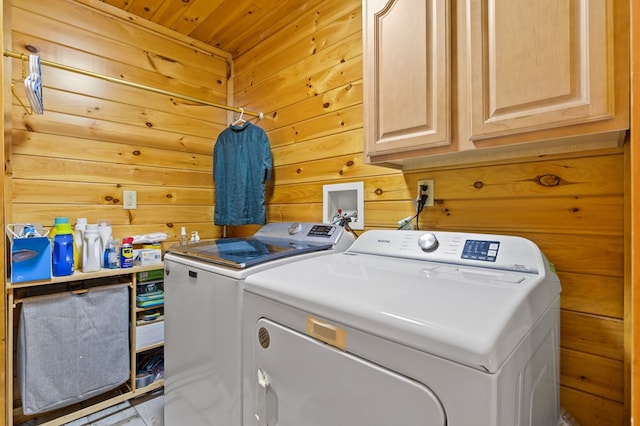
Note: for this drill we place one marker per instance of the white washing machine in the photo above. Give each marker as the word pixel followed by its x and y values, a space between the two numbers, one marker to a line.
pixel 405 328
pixel 203 300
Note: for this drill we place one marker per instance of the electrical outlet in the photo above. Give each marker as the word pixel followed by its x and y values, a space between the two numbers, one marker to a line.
pixel 429 191
pixel 129 200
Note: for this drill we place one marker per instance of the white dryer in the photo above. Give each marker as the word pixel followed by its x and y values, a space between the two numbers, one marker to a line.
pixel 203 288
pixel 405 328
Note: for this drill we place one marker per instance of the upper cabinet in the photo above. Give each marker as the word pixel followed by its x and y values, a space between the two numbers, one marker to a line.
pixel 407 75
pixel 463 81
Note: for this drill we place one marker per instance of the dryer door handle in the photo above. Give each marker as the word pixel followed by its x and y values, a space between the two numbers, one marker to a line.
pixel 263 401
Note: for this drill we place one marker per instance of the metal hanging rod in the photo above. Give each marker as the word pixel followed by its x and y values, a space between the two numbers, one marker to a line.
pixel 22 56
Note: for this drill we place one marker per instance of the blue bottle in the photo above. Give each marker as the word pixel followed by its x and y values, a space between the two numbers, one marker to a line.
pixel 63 251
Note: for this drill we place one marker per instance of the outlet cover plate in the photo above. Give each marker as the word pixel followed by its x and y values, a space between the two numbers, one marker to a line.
pixel 129 200
pixel 430 190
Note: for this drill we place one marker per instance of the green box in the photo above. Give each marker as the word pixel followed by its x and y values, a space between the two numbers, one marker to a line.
pixel 156 274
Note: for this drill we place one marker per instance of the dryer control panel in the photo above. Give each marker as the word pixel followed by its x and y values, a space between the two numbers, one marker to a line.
pixel 489 251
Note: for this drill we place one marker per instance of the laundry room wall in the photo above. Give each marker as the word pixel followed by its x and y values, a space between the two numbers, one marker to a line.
pixel 307 77
pixel 97 139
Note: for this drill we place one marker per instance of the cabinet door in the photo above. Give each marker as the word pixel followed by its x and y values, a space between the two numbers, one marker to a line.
pixel 539 64
pixel 406 75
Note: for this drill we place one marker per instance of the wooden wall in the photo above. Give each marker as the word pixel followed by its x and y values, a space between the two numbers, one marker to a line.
pixel 5 124
pixel 308 79
pixel 97 139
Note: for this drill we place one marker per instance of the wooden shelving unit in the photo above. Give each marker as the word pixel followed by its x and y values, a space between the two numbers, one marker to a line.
pixel 76 282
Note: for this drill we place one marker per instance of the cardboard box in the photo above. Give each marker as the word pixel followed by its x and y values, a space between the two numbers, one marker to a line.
pixel 156 274
pixel 145 257
pixel 149 334
pixel 30 259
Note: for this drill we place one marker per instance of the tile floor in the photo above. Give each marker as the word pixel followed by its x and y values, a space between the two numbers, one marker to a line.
pixel 146 410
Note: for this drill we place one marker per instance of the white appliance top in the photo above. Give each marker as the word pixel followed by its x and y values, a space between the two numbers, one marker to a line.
pixel 470 298
pixel 273 241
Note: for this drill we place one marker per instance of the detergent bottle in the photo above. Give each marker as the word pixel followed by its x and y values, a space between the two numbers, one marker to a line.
pixel 63 250
pixel 81 225
pixel 104 228
pixel 56 223
pixel 91 249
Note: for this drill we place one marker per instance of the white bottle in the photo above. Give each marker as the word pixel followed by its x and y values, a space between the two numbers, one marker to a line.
pixel 104 228
pixel 183 236
pixel 81 225
pixel 91 250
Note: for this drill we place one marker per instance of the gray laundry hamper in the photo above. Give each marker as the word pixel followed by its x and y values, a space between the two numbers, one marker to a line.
pixel 72 347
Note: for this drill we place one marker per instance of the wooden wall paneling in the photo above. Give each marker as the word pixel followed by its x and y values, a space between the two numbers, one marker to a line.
pixel 595 294
pixel 592 410
pixel 294 212
pixel 316 149
pixel 571 214
pixel 65 147
pixel 122 113
pixel 390 187
pixel 333 100
pixel 279 91
pixel 90 129
pixel 346 168
pixel 343 120
pixel 632 281
pixel 52 168
pixel 5 202
pixel 69 82
pixel 101 138
pixel 91 193
pixel 332 23
pixel 122 42
pixel 170 78
pixel 602 174
pixel 595 375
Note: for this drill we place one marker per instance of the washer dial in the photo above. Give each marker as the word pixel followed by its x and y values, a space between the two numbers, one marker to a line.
pixel 428 242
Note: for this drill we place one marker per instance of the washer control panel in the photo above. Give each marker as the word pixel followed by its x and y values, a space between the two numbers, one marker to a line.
pixel 305 232
pixel 490 251
pixel 486 251
pixel 428 242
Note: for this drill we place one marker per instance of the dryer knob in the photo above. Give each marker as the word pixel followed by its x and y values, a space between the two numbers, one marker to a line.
pixel 428 242
pixel 294 228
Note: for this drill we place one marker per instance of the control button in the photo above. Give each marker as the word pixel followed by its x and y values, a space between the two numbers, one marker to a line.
pixel 294 228
pixel 428 242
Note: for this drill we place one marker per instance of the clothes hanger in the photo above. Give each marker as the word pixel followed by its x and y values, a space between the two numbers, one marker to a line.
pixel 240 120
pixel 13 89
pixel 33 85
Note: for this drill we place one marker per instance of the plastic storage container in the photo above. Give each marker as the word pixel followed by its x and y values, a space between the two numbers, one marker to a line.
pixel 111 255
pixel 91 249
pixel 104 228
pixel 63 250
pixel 81 225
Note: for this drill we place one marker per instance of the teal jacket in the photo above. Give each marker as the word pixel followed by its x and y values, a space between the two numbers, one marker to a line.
pixel 242 165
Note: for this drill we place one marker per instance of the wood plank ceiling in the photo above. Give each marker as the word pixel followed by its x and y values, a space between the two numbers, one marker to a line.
pixel 234 26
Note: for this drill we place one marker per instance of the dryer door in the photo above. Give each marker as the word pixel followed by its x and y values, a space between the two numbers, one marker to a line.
pixel 302 381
